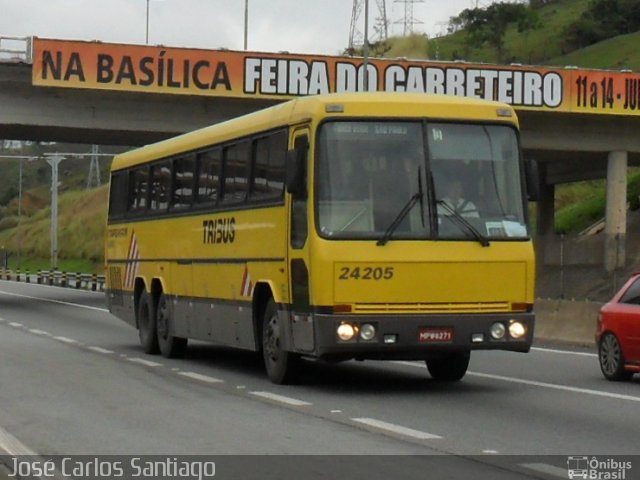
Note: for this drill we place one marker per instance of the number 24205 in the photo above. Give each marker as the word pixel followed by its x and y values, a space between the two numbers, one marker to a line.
pixel 366 273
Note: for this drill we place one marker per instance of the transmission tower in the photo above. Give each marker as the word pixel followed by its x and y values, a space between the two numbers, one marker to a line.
pixel 94 168
pixel 380 28
pixel 409 20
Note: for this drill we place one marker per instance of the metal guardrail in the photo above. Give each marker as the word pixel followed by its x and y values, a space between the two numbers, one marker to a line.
pixel 83 281
pixel 16 49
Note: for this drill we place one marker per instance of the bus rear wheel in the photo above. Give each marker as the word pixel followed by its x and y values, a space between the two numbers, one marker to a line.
pixel 281 366
pixel 170 345
pixel 147 324
pixel 449 368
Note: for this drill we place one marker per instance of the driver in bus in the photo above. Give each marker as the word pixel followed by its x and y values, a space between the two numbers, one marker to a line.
pixel 454 198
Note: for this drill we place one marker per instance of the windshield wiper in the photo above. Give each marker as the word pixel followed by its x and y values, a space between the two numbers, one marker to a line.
pixel 463 223
pixel 396 221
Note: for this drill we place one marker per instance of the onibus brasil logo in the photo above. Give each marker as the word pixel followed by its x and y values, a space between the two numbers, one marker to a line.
pixel 594 468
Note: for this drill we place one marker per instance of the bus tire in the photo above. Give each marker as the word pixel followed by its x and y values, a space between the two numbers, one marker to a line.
pixel 170 346
pixel 449 368
pixel 147 324
pixel 281 366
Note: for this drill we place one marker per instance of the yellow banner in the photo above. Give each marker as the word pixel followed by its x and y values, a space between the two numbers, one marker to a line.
pixel 224 73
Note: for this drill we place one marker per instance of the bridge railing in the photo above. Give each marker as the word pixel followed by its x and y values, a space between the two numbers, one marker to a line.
pixel 84 281
pixel 15 49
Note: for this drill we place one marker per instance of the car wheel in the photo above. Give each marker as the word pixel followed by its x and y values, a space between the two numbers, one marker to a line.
pixel 170 345
pixel 147 324
pixel 611 358
pixel 281 366
pixel 449 368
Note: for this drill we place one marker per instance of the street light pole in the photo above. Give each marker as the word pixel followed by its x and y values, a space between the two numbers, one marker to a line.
pixel 246 24
pixel 54 161
pixel 147 32
pixel 365 47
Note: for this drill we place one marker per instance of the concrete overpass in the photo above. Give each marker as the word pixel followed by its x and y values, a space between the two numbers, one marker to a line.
pixel 577 124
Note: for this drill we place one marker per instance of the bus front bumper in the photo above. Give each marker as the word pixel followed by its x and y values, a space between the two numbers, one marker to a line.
pixel 408 337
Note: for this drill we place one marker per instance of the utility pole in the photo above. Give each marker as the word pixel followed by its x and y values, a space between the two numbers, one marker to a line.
pixel 54 161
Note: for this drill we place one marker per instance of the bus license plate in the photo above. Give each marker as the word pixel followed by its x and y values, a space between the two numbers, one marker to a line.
pixel 435 335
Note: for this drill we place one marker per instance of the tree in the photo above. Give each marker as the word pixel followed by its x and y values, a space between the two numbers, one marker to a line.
pixel 489 25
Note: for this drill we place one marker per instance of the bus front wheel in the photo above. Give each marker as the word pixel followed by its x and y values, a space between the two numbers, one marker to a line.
pixel 281 366
pixel 449 368
pixel 170 346
pixel 147 324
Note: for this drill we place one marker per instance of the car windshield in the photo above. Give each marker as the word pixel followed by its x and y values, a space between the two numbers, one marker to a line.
pixel 379 179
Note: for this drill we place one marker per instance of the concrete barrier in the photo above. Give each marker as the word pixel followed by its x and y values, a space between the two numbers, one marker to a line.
pixel 566 321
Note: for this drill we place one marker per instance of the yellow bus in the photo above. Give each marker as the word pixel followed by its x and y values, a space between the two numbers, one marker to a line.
pixel 345 226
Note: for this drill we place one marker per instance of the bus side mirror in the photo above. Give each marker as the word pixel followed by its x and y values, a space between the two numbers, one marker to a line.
pixel 296 166
pixel 532 179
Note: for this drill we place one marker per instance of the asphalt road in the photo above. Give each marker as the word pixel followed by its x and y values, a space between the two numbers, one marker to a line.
pixel 74 381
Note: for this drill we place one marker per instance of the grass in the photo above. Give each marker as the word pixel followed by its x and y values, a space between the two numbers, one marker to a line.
pixel 81 228
pixel 581 204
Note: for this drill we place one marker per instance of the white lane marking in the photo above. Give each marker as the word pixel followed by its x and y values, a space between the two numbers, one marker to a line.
pixel 39 332
pixel 564 352
pixel 200 377
pixel 391 427
pixel 16 325
pixel 100 350
pixel 553 386
pixel 534 383
pixel 50 300
pixel 70 341
pixel 546 469
pixel 490 452
pixel 13 446
pixel 142 361
pixel 336 411
pixel 281 398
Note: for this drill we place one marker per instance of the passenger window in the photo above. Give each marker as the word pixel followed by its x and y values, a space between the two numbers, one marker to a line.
pixel 118 195
pixel 183 177
pixel 632 295
pixel 160 186
pixel 236 162
pixel 268 171
pixel 138 189
pixel 209 166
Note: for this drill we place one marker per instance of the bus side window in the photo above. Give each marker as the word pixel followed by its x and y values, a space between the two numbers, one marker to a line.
pixel 182 186
pixel 160 186
pixel 208 181
pixel 138 189
pixel 268 171
pixel 236 163
pixel 118 195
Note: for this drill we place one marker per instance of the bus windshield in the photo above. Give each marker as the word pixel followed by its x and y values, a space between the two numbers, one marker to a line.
pixel 463 184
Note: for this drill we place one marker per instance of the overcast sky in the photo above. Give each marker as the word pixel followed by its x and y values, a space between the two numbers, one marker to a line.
pixel 296 26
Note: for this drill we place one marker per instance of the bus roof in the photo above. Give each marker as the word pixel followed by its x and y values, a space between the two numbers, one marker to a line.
pixel 308 109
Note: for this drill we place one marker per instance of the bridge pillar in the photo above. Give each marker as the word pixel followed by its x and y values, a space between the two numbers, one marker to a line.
pixel 616 212
pixel 545 220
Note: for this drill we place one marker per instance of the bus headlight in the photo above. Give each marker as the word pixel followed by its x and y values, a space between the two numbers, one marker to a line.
pixel 497 331
pixel 367 332
pixel 517 330
pixel 346 332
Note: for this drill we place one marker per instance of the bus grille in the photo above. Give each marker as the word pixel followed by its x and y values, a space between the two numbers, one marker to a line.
pixel 470 307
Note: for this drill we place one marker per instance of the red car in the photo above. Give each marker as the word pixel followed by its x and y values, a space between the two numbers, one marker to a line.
pixel 618 334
